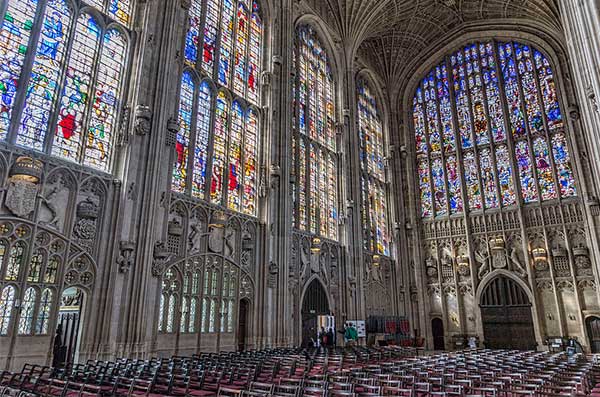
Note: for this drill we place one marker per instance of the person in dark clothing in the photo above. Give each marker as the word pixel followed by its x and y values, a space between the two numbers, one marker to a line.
pixel 330 338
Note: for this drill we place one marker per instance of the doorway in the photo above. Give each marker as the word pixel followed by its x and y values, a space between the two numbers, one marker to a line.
pixel 68 328
pixel 314 304
pixel 437 330
pixel 242 332
pixel 506 316
pixel 593 329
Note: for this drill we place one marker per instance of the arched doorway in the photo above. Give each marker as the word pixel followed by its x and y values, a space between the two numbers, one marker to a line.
pixel 68 327
pixel 506 316
pixel 242 331
pixel 314 304
pixel 593 329
pixel 437 330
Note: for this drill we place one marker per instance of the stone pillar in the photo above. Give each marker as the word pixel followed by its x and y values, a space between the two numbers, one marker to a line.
pixel 146 170
pixel 278 300
pixel 581 23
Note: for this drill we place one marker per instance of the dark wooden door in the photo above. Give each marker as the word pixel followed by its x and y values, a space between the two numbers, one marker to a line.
pixel 242 325
pixel 437 329
pixel 315 304
pixel 593 328
pixel 506 315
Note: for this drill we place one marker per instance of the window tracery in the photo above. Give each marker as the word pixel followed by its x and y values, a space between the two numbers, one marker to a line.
pixel 208 297
pixel 54 99
pixel 499 101
pixel 314 139
pixel 218 118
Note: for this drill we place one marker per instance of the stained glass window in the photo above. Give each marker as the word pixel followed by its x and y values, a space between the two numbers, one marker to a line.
pixel 168 301
pixel 500 102
pixel 26 316
pixel 43 319
pixel 14 261
pixel 315 160
pixel 186 104
pixel 65 105
pixel 7 301
pixel 35 267
pixel 374 193
pixel 202 140
pixel 222 131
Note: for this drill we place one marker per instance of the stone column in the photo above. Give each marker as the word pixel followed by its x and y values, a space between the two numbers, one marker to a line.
pixel 146 172
pixel 581 23
pixel 278 300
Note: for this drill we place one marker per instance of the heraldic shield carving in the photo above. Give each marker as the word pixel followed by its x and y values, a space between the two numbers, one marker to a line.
pixel 23 185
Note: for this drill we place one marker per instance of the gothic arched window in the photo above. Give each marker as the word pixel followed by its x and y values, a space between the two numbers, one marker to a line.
pixel 488 129
pixel 218 142
pixel 62 79
pixel 373 179
pixel 314 140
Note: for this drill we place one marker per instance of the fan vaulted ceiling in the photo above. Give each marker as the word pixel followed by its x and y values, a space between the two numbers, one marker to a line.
pixel 392 35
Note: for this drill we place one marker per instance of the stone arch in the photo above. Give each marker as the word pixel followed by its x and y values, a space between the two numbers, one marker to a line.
pixel 485 281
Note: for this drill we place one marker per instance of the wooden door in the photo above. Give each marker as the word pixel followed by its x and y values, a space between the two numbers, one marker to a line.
pixel 506 315
pixel 243 324
pixel 437 329
pixel 593 329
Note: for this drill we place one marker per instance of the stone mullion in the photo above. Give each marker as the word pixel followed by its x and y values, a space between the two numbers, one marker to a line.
pixel 192 139
pixel 297 136
pixel 427 155
pixel 492 143
pixel 509 135
pixel 457 142
pixel 19 99
pixel 441 154
pixel 546 127
pixel 475 148
pixel 363 173
pixel 528 136
pixel 211 144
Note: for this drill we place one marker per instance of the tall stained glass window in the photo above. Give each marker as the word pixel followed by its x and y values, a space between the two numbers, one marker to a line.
pixel 374 188
pixel 61 86
pixel 218 141
pixel 314 142
pixel 487 120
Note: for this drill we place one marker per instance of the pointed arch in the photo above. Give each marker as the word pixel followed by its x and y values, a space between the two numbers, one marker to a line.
pixel 489 114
